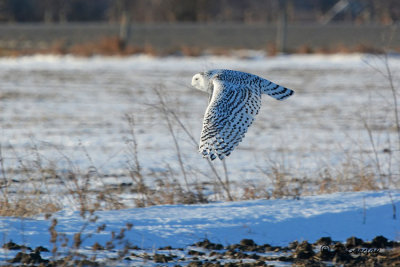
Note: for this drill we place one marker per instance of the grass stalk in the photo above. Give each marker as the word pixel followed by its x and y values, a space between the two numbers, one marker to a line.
pixel 167 113
pixel 387 74
pixel 167 118
pixel 4 185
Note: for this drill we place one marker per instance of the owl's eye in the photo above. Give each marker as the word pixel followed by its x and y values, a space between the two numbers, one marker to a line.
pixel 196 79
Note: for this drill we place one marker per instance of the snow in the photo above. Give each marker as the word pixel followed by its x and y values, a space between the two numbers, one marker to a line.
pixel 72 111
pixel 275 222
pixel 68 112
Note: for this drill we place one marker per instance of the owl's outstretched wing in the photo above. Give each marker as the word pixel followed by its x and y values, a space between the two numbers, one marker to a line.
pixel 230 112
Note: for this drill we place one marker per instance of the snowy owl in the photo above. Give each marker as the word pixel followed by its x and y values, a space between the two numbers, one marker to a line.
pixel 234 101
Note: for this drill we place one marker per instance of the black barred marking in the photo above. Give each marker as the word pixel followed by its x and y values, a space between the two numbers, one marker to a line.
pixel 275 87
pixel 280 92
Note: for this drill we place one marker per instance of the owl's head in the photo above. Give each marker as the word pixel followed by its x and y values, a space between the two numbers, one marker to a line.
pixel 200 81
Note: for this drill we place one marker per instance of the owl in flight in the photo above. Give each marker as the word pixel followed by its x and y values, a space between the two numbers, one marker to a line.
pixel 234 101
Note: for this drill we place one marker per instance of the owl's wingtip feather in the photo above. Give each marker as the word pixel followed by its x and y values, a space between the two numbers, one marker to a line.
pixel 212 153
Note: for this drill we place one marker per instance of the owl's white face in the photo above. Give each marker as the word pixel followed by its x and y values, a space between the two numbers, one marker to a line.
pixel 199 81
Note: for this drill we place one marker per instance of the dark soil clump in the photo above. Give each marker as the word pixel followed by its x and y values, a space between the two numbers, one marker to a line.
pixel 324 252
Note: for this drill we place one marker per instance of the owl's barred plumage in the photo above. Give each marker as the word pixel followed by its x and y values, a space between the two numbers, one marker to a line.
pixel 235 99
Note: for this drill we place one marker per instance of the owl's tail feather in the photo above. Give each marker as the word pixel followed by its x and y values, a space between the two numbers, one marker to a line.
pixel 276 91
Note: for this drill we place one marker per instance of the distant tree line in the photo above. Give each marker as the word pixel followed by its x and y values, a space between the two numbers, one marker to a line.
pixel 155 11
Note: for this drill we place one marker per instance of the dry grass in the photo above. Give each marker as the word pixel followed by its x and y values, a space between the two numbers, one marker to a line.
pixel 190 51
pixel 357 179
pixel 106 46
pixel 27 207
pixel 272 49
pixel 113 46
pixel 304 49
pixel 37 186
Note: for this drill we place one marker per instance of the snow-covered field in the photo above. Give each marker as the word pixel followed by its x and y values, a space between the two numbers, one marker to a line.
pixel 62 116
pixel 276 222
pixel 68 113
